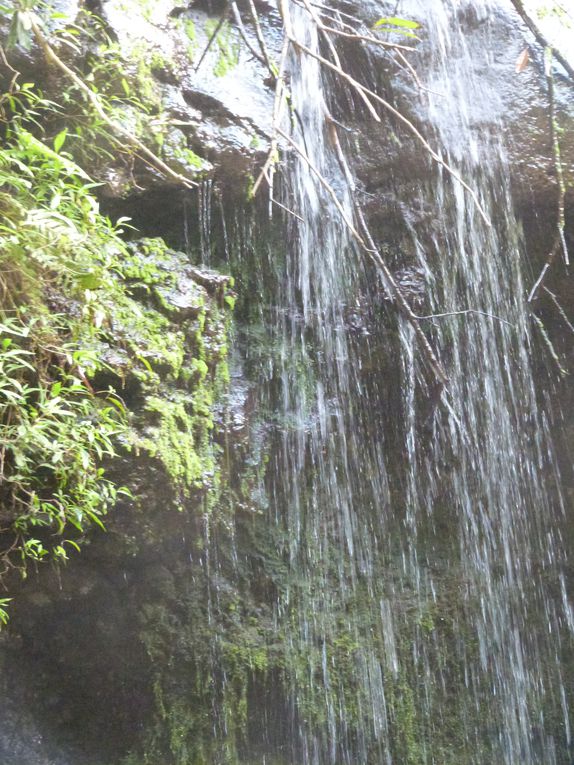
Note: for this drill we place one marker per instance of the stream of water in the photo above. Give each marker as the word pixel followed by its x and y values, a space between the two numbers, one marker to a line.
pixel 424 615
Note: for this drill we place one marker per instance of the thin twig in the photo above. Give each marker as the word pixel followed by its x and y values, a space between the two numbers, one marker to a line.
pixel 549 260
pixel 370 248
pixel 334 17
pixel 267 171
pixel 288 210
pixel 549 345
pixel 326 185
pixel 368 38
pixel 338 12
pixel 559 240
pixel 260 38
pixel 393 289
pixel 400 49
pixel 463 313
pixel 557 157
pixel 561 311
pixel 335 55
pixel 243 32
pixel 413 72
pixel 15 74
pixel 211 40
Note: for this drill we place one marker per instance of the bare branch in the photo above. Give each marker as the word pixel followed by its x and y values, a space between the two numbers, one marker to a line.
pixel 560 240
pixel 260 38
pixel 335 55
pixel 288 210
pixel 548 342
pixel 337 12
pixel 15 73
pixel 413 72
pixel 557 157
pixel 326 185
pixel 243 32
pixel 268 171
pixel 464 313
pixel 561 310
pixel 212 38
pixel 549 260
pixel 369 39
pixel 367 243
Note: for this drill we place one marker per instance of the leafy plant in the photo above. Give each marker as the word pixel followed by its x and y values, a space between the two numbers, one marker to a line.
pixel 3 613
pixel 56 431
pixel 55 435
pixel 70 291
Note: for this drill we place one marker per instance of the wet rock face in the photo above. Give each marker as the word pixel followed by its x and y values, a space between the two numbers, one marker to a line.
pixel 72 663
pixel 214 96
pixel 393 167
pixel 211 94
pixel 204 106
pixel 79 678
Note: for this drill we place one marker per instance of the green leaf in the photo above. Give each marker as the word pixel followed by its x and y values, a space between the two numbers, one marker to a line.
pixel 90 280
pixel 36 146
pixel 59 140
pixel 402 32
pixel 396 22
pixel 15 32
pixel 26 21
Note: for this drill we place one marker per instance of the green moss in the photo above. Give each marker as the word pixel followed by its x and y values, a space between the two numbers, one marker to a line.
pixel 179 442
pixel 227 47
pixel 191 34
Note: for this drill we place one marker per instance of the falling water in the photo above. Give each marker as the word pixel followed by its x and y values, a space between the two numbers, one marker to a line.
pixel 489 443
pixel 423 612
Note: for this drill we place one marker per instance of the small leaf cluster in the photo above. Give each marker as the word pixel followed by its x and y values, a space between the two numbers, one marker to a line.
pixel 22 23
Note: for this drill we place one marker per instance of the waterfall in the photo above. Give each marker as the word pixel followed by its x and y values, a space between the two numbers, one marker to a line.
pixel 491 435
pixel 422 611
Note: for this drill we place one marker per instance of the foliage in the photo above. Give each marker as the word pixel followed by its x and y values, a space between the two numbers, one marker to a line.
pixel 55 436
pixel 78 306
pixel 21 25
pixel 56 430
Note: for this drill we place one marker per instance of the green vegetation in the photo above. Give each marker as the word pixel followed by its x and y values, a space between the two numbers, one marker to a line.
pixel 191 35
pixel 57 255
pixel 83 319
pixel 227 48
